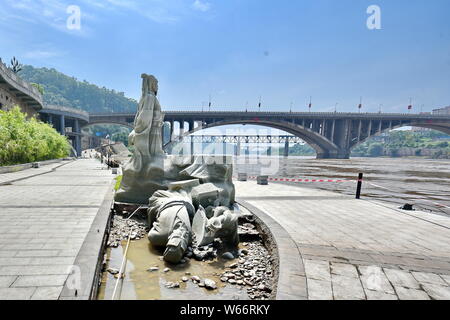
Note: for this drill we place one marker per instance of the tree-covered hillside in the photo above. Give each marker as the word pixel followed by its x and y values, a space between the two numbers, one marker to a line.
pixel 60 89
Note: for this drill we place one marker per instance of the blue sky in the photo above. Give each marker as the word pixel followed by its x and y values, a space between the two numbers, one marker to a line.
pixel 238 50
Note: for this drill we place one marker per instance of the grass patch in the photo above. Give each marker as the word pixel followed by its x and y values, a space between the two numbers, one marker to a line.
pixel 118 181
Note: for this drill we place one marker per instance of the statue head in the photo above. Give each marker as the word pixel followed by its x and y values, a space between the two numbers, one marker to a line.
pixel 149 84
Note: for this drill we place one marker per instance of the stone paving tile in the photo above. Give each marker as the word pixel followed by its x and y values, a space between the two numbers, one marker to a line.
pixel 51 261
pixel 35 270
pixel 400 278
pixel 373 278
pixel 6 281
pixel 40 281
pixel 379 295
pixel 347 288
pixel 429 278
pixel 47 293
pixel 16 293
pixel 7 253
pixel 37 253
pixel 411 294
pixel 344 269
pixel 446 277
pixel 15 261
pixel 319 290
pixel 437 292
pixel 318 270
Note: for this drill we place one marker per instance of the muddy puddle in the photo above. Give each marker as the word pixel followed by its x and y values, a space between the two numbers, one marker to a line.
pixel 147 275
pixel 140 284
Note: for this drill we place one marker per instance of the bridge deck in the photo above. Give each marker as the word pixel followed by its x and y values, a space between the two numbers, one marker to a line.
pixel 358 249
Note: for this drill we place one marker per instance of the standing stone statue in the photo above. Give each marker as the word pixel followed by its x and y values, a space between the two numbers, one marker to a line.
pixel 144 173
pixel 146 136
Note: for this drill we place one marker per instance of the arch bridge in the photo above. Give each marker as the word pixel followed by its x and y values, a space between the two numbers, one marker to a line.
pixel 331 134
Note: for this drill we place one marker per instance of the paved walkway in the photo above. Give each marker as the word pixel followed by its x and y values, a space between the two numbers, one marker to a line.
pixel 359 249
pixel 44 220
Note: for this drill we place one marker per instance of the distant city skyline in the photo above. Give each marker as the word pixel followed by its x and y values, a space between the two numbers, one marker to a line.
pixel 238 51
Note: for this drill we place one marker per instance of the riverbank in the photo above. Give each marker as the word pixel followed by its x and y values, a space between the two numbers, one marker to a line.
pixel 422 182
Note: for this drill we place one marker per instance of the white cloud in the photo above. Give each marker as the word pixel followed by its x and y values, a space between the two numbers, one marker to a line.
pixel 201 6
pixel 160 11
pixel 41 54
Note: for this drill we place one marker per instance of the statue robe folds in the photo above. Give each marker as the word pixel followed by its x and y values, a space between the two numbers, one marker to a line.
pixel 144 173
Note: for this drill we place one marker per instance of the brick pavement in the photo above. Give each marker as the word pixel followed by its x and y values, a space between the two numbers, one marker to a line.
pixel 359 249
pixel 43 222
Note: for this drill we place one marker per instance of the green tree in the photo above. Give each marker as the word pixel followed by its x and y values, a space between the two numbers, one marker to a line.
pixel 375 150
pixel 25 140
pixel 60 89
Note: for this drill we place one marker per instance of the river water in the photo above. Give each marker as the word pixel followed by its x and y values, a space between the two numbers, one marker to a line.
pixel 422 182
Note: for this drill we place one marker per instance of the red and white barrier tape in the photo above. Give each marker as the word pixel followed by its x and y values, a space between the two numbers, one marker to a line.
pixel 302 180
pixel 298 180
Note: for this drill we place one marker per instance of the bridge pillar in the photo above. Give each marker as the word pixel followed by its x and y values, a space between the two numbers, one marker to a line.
pixel 62 125
pixel 237 150
pixel 77 140
pixel 192 145
pixel 286 148
pixel 269 150
pixel 171 130
pixel 224 147
pixel 50 119
pixel 181 127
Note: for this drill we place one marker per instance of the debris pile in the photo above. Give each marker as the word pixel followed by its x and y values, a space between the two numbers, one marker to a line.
pixel 121 228
pixel 253 270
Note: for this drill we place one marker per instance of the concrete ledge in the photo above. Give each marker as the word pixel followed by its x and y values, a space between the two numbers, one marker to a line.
pixel 20 167
pixel 291 273
pixel 89 260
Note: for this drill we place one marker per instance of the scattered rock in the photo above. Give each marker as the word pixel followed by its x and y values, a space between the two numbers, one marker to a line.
pixel 113 271
pixel 166 270
pixel 228 255
pixel 243 251
pixel 172 285
pixel 195 279
pixel 184 279
pixel 153 269
pixel 210 284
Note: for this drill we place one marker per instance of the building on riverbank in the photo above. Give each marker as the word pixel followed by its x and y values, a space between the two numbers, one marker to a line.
pixel 15 91
pixel 442 111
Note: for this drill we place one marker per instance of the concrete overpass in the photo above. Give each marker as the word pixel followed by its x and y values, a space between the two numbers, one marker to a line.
pixel 68 121
pixel 331 134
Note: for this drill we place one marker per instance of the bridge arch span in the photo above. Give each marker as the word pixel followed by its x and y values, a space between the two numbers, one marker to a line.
pixel 323 147
pixel 438 127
